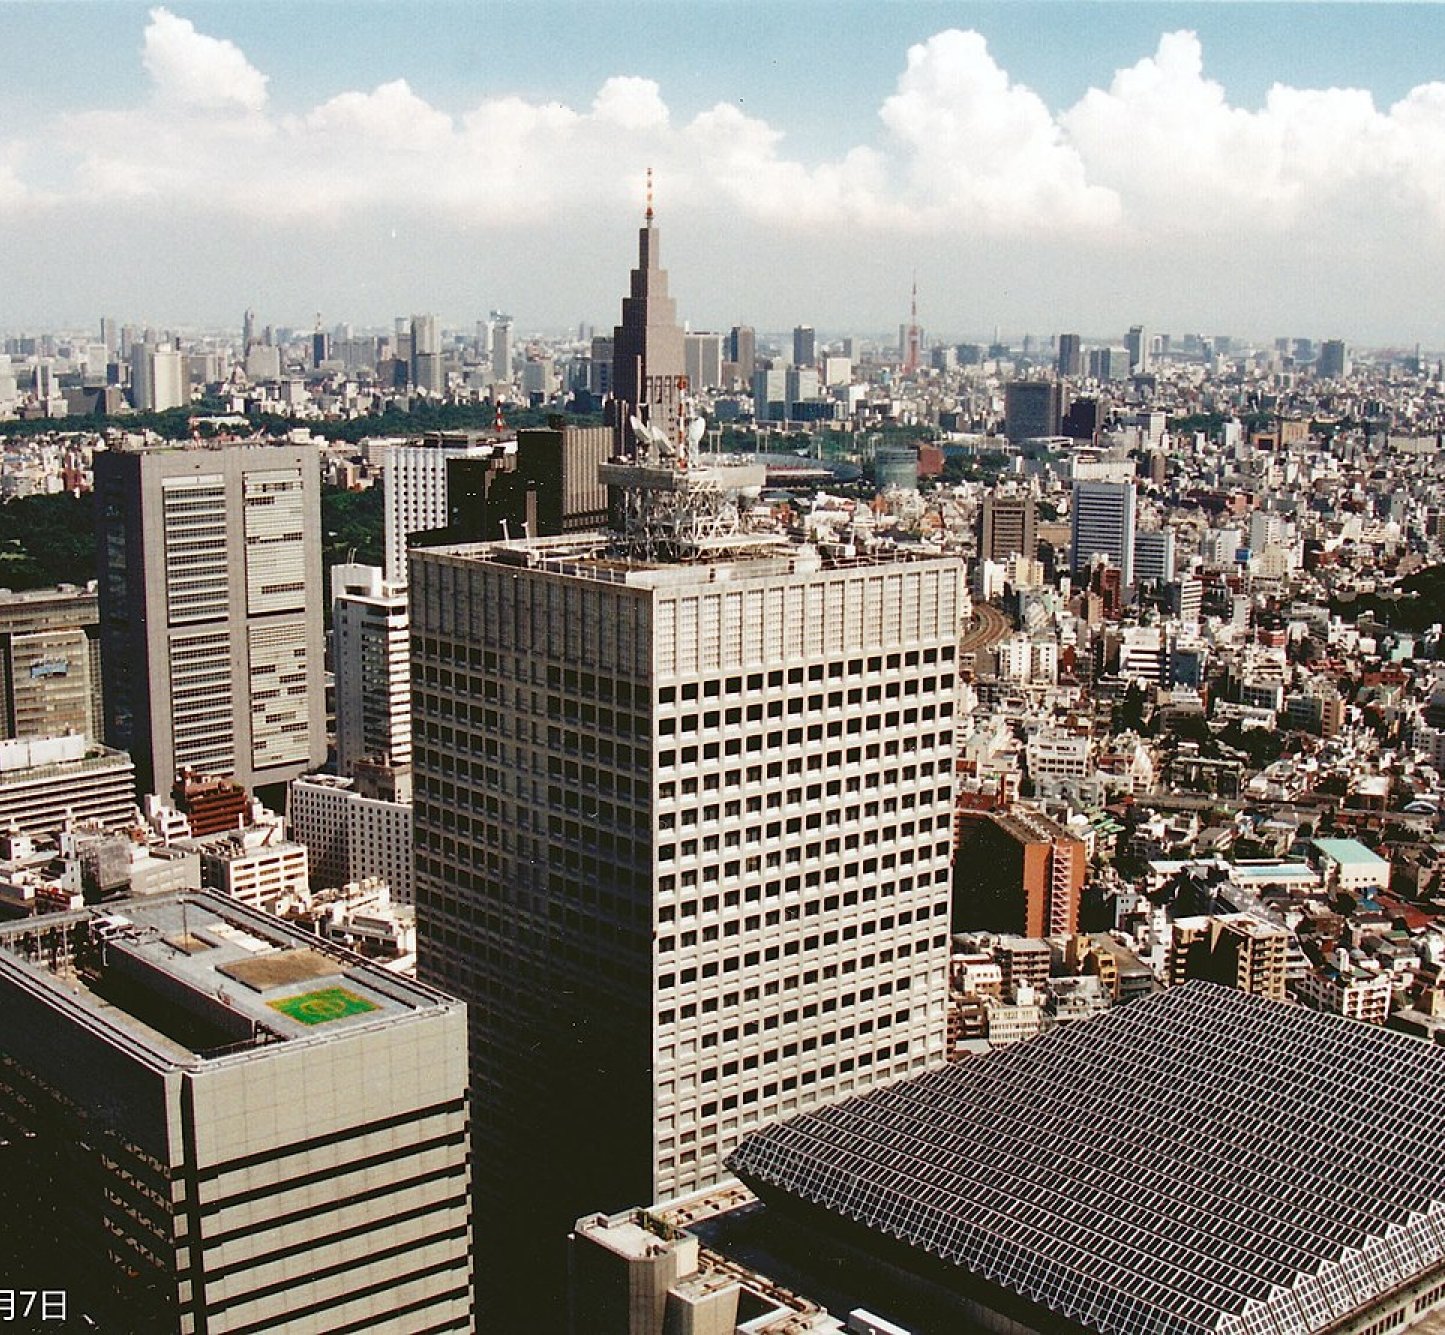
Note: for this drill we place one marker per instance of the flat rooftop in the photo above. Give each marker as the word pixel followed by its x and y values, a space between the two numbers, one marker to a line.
pixel 1349 853
pixel 197 977
pixel 1198 1162
pixel 602 557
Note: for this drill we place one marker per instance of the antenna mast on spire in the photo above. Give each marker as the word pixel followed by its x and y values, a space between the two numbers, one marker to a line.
pixel 649 195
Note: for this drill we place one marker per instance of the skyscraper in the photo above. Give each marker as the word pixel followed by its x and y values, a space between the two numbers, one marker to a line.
pixel 501 349
pixel 50 663
pixel 414 477
pixel 157 378
pixel 683 829
pixel 427 372
pixel 742 350
pixel 1071 355
pixel 704 357
pixel 210 610
pixel 1334 359
pixel 370 648
pixel 1136 341
pixel 805 345
pixel 1032 409
pixel 649 367
pixel 1101 523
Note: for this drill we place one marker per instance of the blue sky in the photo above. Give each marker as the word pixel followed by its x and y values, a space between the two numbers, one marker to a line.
pixel 1043 166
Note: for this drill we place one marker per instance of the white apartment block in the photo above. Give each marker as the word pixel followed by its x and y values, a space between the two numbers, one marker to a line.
pixel 253 865
pixel 371 655
pixel 351 836
pixel 683 842
pixel 1355 995
pixel 1053 756
pixel 415 479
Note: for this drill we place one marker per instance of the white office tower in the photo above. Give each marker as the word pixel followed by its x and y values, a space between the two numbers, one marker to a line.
pixel 683 833
pixel 157 378
pixel 415 480
pixel 370 653
pixel 427 372
pixel 502 348
pixel 354 828
pixel 704 358
pixel 1101 523
pixel 210 610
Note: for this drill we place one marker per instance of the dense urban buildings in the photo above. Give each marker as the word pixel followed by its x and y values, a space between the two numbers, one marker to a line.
pixel 795 711
pixel 210 610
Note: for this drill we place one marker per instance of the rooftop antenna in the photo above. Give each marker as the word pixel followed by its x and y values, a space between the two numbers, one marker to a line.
pixel 648 214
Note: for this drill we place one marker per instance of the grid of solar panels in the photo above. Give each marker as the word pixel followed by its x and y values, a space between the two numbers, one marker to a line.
pixel 1201 1160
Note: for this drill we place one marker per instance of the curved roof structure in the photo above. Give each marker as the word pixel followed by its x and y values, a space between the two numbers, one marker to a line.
pixel 1198 1162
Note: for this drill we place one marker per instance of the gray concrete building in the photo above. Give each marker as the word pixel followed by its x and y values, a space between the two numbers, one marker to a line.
pixel 50 663
pixel 47 781
pixel 210 609
pixel 683 835
pixel 214 1122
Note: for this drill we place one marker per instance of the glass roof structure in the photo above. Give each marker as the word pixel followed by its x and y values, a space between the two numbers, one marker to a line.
pixel 1198 1162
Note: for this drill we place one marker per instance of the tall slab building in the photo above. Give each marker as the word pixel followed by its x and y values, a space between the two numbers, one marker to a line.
pixel 210 610
pixel 683 831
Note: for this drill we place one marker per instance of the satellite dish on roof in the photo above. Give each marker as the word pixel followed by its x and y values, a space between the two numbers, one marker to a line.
pixel 695 430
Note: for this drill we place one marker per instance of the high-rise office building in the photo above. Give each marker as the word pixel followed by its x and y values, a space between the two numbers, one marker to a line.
pixel 743 349
pixel 805 345
pixel 502 349
pixel 414 476
pixel 599 368
pixel 1334 359
pixel 649 368
pixel 370 655
pixel 559 464
pixel 1071 355
pixel 45 781
pixel 428 373
pixel 703 354
pixel 213 1121
pixel 683 831
pixel 1101 523
pixel 355 828
pixel 1032 409
pixel 1154 555
pixel 50 663
pixel 1008 525
pixel 1136 342
pixel 157 379
pixel 701 875
pixel 210 610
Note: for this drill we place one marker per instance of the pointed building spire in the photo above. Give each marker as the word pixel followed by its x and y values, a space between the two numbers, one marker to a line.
pixel 648 215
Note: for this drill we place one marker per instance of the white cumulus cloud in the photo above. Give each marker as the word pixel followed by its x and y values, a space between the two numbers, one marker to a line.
pixel 195 70
pixel 981 149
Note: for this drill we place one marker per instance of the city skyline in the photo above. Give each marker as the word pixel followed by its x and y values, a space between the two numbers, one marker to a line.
pixel 1261 169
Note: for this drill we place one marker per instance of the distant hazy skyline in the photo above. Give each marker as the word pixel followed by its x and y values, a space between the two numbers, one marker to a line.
pixel 1258 170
